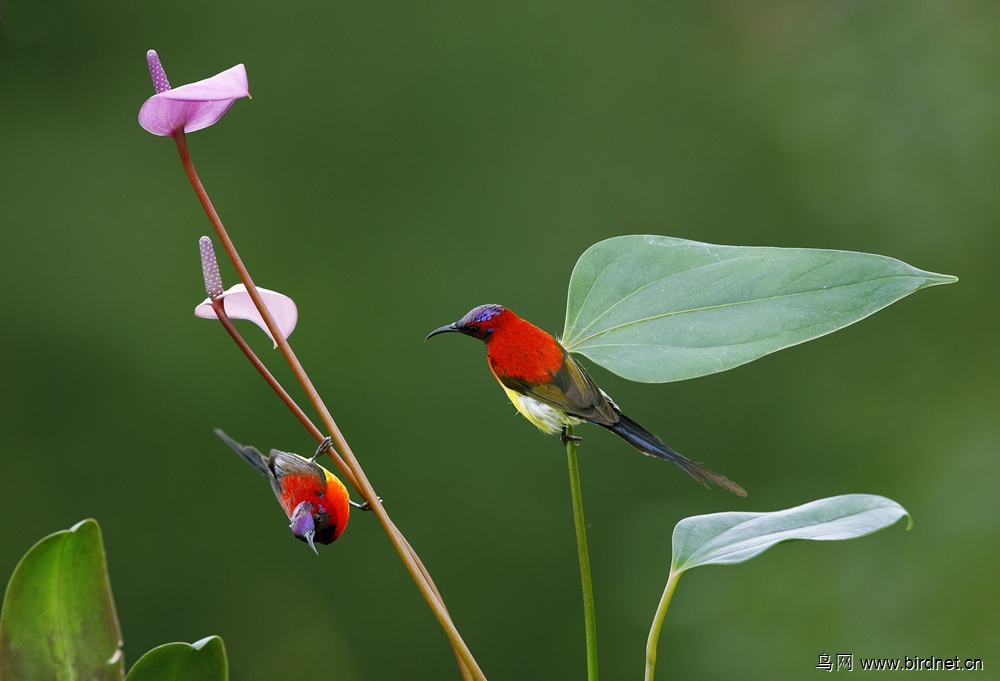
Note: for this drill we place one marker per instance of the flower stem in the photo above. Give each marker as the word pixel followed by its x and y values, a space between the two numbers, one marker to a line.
pixel 589 618
pixel 654 631
pixel 227 324
pixel 467 663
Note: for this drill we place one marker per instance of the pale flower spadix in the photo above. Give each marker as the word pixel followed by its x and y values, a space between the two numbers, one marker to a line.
pixel 238 305
pixel 190 107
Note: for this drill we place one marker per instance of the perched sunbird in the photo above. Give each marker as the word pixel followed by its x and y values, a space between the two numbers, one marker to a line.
pixel 553 390
pixel 314 499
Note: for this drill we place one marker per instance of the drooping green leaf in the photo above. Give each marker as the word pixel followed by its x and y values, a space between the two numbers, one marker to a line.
pixel 728 538
pixel 58 621
pixel 204 660
pixel 656 309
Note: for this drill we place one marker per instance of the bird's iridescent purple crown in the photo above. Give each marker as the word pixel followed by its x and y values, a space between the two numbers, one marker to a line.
pixel 480 314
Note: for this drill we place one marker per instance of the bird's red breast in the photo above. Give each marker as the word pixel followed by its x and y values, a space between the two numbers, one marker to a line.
pixel 519 349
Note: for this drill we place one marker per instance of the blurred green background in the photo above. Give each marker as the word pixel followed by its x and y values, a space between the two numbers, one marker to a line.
pixel 402 162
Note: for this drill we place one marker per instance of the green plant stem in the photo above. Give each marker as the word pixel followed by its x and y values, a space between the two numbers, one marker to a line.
pixel 654 631
pixel 467 663
pixel 590 621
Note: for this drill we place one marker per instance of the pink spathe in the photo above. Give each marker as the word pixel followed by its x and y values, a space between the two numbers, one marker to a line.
pixel 193 106
pixel 238 305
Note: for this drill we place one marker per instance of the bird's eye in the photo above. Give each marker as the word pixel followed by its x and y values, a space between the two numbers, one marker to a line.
pixel 472 329
pixel 317 517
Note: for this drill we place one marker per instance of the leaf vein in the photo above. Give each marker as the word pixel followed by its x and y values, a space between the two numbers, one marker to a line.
pixel 735 304
pixel 593 285
pixel 645 285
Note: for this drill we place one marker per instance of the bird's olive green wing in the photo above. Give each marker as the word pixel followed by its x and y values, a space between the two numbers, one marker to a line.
pixel 570 389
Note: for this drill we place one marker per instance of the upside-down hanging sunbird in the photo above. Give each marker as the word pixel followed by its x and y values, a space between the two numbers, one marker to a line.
pixel 553 390
pixel 314 499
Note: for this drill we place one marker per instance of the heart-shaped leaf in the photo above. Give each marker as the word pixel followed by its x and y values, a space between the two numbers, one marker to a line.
pixel 58 621
pixel 656 309
pixel 728 538
pixel 204 660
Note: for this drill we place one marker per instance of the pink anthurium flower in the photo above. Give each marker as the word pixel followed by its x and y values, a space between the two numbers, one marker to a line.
pixel 189 107
pixel 238 305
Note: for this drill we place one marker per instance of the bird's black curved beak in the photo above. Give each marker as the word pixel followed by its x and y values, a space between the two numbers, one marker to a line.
pixel 444 329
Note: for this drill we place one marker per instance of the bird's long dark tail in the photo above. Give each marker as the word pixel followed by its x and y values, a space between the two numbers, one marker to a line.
pixel 250 454
pixel 651 445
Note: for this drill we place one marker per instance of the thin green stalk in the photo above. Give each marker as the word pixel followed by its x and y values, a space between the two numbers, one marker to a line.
pixel 654 631
pixel 590 620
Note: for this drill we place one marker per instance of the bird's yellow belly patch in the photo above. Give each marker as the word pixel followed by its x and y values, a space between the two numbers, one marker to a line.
pixel 548 419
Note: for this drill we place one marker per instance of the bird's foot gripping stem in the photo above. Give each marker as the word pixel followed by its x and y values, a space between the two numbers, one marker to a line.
pixel 363 506
pixel 566 439
pixel 323 446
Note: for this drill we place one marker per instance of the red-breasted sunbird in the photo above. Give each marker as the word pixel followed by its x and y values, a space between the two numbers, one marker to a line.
pixel 552 390
pixel 313 498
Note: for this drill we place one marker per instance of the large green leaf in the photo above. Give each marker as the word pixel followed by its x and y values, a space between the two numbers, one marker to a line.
pixel 204 660
pixel 728 538
pixel 58 621
pixel 656 309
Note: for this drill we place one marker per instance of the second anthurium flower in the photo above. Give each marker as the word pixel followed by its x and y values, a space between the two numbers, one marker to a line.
pixel 237 303
pixel 193 106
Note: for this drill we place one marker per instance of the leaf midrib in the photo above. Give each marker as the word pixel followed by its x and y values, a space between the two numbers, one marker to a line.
pixel 63 621
pixel 674 313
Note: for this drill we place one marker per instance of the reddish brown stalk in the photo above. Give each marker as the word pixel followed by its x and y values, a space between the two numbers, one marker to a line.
pixel 293 406
pixel 282 393
pixel 318 436
pixel 467 663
